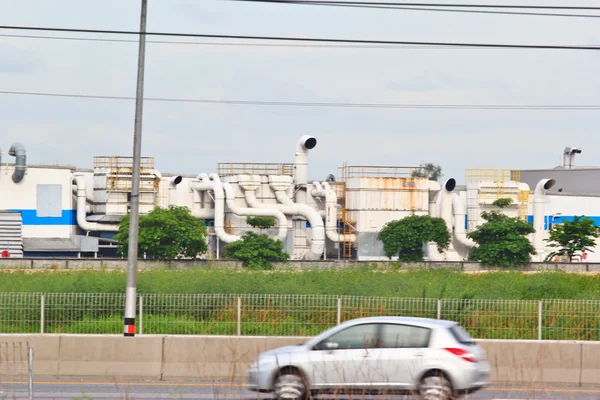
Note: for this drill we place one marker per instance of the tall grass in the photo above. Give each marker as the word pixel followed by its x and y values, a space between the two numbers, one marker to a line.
pixel 436 283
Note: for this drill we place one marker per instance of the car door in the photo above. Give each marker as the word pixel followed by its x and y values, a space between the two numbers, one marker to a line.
pixel 403 353
pixel 344 359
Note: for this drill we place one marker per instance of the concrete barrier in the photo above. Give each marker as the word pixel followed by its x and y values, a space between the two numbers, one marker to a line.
pixel 227 358
pixel 112 264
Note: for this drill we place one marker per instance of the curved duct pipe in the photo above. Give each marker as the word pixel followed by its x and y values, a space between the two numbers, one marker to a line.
pixel 255 212
pixel 81 209
pixel 317 245
pixel 444 202
pixel 173 182
pixel 288 207
pixel 325 190
pixel 305 143
pixel 460 232
pixel 539 206
pixel 219 210
pixel 18 150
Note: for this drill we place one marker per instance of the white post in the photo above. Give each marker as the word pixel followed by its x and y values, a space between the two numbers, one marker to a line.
pixel 30 370
pixel 540 320
pixel 339 310
pixel 239 316
pixel 439 309
pixel 141 315
pixel 42 309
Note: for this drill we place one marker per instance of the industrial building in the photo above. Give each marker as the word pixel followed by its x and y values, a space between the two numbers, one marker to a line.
pixel 64 211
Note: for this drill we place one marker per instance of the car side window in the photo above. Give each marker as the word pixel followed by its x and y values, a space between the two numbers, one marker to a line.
pixel 362 336
pixel 404 336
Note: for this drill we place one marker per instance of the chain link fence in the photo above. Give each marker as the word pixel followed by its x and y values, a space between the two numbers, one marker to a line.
pixel 290 315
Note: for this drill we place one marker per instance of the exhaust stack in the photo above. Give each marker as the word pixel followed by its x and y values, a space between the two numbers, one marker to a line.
pixel 18 150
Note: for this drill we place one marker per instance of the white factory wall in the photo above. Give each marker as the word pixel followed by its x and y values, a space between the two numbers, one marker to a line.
pixel 564 207
pixel 44 199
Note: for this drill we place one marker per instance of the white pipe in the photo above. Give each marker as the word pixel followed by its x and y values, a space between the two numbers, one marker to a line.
pixel 304 144
pixel 173 182
pixel 81 209
pixel 290 208
pixel 444 202
pixel 219 209
pixel 317 245
pixel 245 211
pixel 331 205
pixel 460 232
pixel 539 205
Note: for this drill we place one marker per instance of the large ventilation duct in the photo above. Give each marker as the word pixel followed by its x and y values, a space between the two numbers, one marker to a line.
pixel 79 180
pixel 173 182
pixel 444 202
pixel 254 212
pixel 305 144
pixel 17 150
pixel 460 232
pixel 288 207
pixel 204 184
pixel 331 206
pixel 539 207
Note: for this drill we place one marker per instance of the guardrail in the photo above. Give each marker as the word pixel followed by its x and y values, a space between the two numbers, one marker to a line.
pixel 290 315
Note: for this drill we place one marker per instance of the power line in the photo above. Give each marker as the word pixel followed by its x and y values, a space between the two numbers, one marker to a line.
pixel 449 5
pixel 304 39
pixel 322 104
pixel 394 6
pixel 236 44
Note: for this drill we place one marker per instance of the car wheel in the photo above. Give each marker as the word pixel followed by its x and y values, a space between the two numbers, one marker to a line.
pixel 290 385
pixel 435 387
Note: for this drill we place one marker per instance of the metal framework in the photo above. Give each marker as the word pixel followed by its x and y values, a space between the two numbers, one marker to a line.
pixel 228 169
pixel 119 173
pixel 505 185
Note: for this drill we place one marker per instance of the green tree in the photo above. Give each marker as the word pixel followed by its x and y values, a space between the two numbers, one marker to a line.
pixel 166 234
pixel 405 237
pixel 502 202
pixel 256 251
pixel 430 171
pixel 501 240
pixel 261 222
pixel 572 237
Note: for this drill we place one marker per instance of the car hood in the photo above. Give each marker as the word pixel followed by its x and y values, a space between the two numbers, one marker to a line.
pixel 283 350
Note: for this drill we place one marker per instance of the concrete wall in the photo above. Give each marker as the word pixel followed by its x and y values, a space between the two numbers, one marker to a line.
pixel 99 263
pixel 219 358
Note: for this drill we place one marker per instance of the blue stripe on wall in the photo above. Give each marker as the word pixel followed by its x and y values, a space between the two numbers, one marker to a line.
pixel 68 217
pixel 548 220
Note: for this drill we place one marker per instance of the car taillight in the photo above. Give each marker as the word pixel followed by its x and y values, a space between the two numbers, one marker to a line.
pixel 465 355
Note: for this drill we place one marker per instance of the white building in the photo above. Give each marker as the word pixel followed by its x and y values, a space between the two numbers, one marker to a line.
pixel 63 211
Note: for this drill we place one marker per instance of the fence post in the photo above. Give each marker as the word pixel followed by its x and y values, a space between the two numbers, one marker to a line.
pixel 239 316
pixel 141 315
pixel 339 310
pixel 439 309
pixel 30 370
pixel 42 310
pixel 540 320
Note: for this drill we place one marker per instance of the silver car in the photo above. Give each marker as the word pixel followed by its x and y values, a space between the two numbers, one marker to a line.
pixel 435 358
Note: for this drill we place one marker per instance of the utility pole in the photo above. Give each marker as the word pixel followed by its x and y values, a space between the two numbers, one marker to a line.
pixel 134 215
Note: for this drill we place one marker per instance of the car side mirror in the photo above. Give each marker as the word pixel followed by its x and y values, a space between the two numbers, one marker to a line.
pixel 331 345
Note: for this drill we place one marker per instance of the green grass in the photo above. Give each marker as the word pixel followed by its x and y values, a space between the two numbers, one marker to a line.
pixel 204 301
pixel 439 283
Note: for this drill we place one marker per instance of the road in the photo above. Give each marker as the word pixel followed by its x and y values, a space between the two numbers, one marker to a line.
pixel 97 390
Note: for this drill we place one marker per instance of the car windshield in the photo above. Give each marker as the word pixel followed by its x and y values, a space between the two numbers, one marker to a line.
pixel 461 335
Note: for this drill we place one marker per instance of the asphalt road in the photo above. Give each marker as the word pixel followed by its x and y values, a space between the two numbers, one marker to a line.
pixel 96 390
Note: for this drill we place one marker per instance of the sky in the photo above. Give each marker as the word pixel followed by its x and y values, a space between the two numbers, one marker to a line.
pixel 193 137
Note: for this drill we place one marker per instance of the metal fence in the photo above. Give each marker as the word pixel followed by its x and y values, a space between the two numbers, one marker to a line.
pixel 16 360
pixel 290 315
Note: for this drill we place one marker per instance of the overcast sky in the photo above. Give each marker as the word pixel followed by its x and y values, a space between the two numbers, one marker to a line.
pixel 192 138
